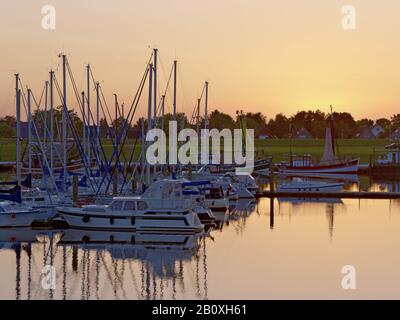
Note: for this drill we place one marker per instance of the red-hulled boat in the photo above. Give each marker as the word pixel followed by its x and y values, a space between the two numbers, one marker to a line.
pixel 329 164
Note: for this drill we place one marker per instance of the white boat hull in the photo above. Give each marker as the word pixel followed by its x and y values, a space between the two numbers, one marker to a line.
pixel 19 219
pixel 141 223
pixel 311 188
pixel 217 204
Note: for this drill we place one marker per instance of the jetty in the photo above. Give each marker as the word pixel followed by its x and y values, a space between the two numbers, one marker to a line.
pixel 330 195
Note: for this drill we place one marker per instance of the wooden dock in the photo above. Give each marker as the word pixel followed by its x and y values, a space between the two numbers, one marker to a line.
pixel 330 195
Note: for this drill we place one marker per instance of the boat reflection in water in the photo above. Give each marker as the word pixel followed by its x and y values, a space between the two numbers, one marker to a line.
pixel 105 265
pixel 21 241
pixel 241 210
pixel 154 262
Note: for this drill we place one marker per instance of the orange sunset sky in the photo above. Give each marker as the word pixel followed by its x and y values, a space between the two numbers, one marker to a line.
pixel 259 55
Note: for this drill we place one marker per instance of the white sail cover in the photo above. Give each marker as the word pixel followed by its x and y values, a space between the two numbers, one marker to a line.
pixel 329 156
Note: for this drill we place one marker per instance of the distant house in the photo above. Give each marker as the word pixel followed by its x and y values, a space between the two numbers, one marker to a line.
pixel 365 132
pixel 24 130
pixel 395 135
pixel 264 136
pixel 302 133
pixel 377 130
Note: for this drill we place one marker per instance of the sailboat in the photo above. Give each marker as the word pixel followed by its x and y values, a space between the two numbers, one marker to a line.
pixel 329 163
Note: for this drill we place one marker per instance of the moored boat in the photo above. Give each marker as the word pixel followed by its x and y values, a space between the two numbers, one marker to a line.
pixel 329 164
pixel 299 185
pixel 14 214
pixel 161 208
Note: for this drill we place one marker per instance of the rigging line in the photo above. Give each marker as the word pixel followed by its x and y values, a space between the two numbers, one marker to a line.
pixel 105 104
pixel 194 113
pixel 35 115
pixel 97 155
pixel 183 88
pixel 125 174
pixel 42 150
pixel 101 145
pixel 76 138
pixel 131 118
pixel 163 72
pixel 95 135
pixel 165 91
pixel 132 105
pixel 105 118
pixel 115 129
pixel 136 99
pixel 73 132
pixel 202 92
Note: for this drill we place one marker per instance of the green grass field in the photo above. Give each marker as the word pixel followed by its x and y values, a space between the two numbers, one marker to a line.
pixel 346 148
pixel 278 148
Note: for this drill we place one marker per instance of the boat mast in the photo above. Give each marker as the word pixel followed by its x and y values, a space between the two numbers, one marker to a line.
pixel 149 122
pixel 142 152
pixel 88 111
pixel 155 100
pixel 29 133
pixel 174 104
pixel 51 123
pixel 332 132
pixel 198 118
pixel 64 122
pixel 175 66
pixel 162 119
pixel 83 122
pixel 116 118
pixel 155 88
pixel 18 128
pixel 45 115
pixel 97 119
pixel 206 107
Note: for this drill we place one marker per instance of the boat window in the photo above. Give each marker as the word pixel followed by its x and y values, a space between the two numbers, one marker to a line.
pixel 89 209
pixel 129 205
pixel 116 205
pixel 39 199
pixel 142 205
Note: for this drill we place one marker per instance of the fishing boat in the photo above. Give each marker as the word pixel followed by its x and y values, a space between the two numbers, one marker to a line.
pixel 14 214
pixel 300 185
pixel 161 208
pixel 329 164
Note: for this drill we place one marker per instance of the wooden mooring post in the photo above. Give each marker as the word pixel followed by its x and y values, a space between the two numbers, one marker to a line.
pixel 75 189
pixel 115 182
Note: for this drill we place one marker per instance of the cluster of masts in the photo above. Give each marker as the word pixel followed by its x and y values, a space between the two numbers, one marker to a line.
pixel 89 144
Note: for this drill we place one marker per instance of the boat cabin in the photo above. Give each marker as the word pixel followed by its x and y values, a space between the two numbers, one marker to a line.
pixel 393 154
pixel 301 161
pixel 123 204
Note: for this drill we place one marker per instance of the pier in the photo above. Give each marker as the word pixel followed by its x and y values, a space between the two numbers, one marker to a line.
pixel 330 195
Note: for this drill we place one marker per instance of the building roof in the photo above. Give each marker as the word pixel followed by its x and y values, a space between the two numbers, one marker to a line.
pixel 365 133
pixel 303 133
pixel 395 134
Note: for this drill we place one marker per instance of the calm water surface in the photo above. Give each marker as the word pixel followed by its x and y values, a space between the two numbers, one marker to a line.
pixel 266 250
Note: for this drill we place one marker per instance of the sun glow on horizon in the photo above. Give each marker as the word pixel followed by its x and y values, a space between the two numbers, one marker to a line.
pixel 269 57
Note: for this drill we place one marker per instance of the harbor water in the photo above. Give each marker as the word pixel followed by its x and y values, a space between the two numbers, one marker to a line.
pixel 265 249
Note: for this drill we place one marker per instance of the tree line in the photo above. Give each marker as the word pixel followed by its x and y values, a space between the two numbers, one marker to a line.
pixel 279 126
